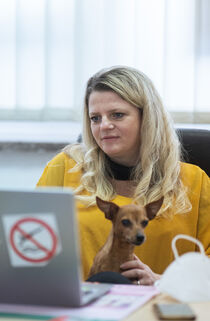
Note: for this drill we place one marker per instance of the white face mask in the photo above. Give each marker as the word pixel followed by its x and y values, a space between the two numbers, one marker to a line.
pixel 188 277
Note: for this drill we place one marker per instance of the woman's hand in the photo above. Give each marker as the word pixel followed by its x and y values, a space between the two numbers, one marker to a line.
pixel 139 272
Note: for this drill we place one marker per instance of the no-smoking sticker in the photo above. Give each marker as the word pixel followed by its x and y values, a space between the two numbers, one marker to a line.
pixel 32 240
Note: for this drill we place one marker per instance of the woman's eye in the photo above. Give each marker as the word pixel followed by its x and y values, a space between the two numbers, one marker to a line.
pixel 95 119
pixel 117 115
pixel 126 223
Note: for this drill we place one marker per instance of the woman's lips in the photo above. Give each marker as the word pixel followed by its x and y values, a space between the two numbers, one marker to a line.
pixel 109 137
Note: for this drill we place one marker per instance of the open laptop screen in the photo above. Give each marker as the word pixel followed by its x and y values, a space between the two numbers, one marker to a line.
pixel 39 248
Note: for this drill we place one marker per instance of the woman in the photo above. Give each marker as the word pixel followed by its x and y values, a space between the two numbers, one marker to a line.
pixel 130 153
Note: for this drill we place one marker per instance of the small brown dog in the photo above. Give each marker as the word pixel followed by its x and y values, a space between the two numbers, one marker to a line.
pixel 128 223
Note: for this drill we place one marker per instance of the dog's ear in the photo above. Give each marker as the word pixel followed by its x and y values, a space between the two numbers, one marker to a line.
pixel 109 208
pixel 153 207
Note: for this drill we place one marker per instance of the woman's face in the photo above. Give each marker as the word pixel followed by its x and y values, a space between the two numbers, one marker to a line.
pixel 115 125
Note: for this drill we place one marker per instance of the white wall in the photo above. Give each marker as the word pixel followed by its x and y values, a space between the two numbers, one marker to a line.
pixel 26 147
pixel 22 168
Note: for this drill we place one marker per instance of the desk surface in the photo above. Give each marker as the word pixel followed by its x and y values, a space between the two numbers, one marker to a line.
pixel 146 312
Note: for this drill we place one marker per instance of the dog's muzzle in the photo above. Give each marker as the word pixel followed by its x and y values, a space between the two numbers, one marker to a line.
pixel 139 239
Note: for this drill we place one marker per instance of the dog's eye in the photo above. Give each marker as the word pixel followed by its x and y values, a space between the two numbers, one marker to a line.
pixel 126 223
pixel 144 223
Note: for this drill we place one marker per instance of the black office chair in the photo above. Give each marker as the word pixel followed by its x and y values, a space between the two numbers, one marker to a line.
pixel 196 147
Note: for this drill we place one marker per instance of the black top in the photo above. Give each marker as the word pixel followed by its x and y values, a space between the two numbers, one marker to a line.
pixel 118 171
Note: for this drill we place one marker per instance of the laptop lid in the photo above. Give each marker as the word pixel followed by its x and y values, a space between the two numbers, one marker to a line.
pixel 39 249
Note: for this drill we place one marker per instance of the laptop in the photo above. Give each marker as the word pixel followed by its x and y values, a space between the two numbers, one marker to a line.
pixel 39 250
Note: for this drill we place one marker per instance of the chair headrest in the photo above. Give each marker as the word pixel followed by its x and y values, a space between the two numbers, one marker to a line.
pixel 196 147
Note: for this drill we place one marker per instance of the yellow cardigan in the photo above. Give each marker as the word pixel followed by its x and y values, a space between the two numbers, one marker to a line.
pixel 156 251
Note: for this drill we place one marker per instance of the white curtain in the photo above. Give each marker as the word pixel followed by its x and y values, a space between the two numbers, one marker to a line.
pixel 49 48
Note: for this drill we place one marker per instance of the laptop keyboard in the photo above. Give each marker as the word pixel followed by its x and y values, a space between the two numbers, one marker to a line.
pixel 87 290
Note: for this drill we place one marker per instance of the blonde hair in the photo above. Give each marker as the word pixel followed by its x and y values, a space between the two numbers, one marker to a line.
pixel 158 172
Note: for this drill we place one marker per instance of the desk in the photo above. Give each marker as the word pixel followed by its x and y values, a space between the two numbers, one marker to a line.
pixel 146 312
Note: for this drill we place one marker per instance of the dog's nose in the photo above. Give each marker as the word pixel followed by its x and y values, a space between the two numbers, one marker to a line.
pixel 139 238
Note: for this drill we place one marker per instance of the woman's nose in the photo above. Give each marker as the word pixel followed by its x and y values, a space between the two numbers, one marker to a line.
pixel 106 123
